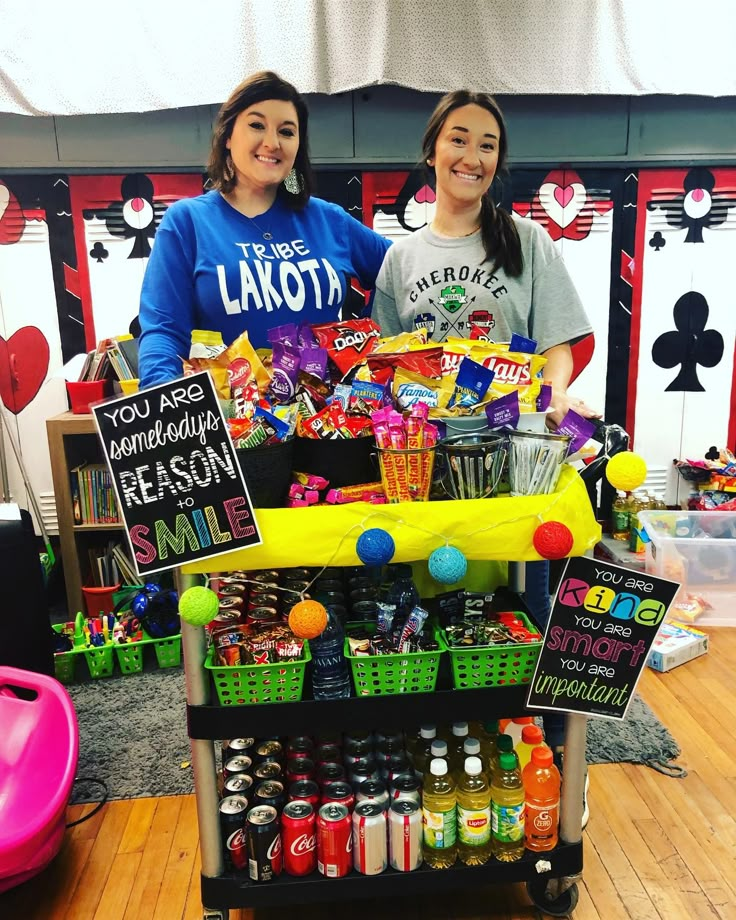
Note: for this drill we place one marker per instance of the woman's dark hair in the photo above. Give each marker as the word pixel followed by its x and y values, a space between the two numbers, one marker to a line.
pixel 498 231
pixel 258 88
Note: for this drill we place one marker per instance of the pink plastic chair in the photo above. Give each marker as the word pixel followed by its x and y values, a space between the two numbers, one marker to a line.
pixel 38 738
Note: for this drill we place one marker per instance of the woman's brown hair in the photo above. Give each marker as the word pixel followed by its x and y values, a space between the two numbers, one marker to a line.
pixel 258 88
pixel 498 231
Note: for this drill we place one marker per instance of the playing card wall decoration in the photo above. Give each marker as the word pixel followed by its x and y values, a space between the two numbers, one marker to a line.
pixel 690 345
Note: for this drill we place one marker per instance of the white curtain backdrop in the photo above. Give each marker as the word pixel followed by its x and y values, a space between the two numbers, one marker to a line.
pixel 71 57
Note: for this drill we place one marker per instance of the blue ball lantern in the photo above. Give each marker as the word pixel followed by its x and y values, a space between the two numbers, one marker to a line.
pixel 447 565
pixel 375 547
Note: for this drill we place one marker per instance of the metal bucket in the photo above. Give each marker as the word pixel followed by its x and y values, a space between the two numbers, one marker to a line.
pixel 535 461
pixel 471 465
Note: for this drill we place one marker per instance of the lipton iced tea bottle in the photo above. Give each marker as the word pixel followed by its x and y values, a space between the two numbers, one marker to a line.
pixel 439 802
pixel 473 815
pixel 507 809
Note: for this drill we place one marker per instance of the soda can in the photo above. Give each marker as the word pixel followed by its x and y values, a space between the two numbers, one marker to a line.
pixel 265 577
pixel 232 602
pixel 299 838
pixel 328 584
pixel 233 809
pixel 357 749
pixel 329 773
pixel 363 769
pixel 265 856
pixel 389 741
pixel 270 792
pixel 405 835
pixel 241 763
pixel 239 784
pixel 329 738
pixel 299 768
pixel 269 769
pixel 259 616
pixel 339 792
pixel 334 841
pixel 369 838
pixel 297 585
pixel 300 746
pixel 263 599
pixel 406 786
pixel 268 750
pixel 394 766
pixel 232 589
pixel 327 753
pixel 297 574
pixel 306 790
pixel 373 790
pixel 237 746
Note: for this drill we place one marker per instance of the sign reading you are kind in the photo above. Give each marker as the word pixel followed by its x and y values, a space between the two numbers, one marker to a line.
pixel 179 486
pixel 603 623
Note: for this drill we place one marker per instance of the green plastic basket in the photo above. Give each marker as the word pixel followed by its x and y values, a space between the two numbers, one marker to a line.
pixel 124 596
pixel 494 665
pixel 387 675
pixel 130 657
pixel 244 685
pixel 64 663
pixel 100 660
pixel 168 651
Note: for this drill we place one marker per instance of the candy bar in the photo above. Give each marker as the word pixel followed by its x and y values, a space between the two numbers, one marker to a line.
pixel 310 480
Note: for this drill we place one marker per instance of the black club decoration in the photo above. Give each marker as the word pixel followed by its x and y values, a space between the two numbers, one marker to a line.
pixel 98 252
pixel 657 242
pixel 713 453
pixel 690 345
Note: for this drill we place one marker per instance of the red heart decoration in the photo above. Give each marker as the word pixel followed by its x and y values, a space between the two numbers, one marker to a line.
pixel 24 363
pixel 563 196
pixel 425 195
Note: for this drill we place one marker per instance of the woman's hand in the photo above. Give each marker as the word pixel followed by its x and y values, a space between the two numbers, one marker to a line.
pixel 561 404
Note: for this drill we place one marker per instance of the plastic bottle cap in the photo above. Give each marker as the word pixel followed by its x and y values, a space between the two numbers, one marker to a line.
pixel 428 731
pixel 438 767
pixel 507 761
pixel 459 728
pixel 542 756
pixel 473 766
pixel 491 727
pixel 525 720
pixel 471 746
pixel 505 743
pixel 439 748
pixel 532 734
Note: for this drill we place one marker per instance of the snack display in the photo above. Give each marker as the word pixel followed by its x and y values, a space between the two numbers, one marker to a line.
pixel 388 638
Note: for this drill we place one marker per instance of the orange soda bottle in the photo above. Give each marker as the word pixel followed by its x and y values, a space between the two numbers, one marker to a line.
pixel 541 780
pixel 531 737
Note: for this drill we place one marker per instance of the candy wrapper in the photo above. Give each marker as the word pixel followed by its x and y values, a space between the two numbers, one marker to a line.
pixel 580 429
pixel 504 411
pixel 412 627
pixel 285 371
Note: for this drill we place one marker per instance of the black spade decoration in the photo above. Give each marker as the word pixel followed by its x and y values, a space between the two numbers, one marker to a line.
pixel 690 345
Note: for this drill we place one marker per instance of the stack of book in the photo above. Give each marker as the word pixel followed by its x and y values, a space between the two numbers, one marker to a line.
pixel 111 566
pixel 93 496
pixel 113 358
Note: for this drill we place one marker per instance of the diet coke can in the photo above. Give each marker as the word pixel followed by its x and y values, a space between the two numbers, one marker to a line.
pixel 394 765
pixel 298 768
pixel 233 809
pixel 406 786
pixel 369 838
pixel 306 790
pixel 405 835
pixel 373 790
pixel 340 792
pixel 265 857
pixel 299 838
pixel 334 841
pixel 363 769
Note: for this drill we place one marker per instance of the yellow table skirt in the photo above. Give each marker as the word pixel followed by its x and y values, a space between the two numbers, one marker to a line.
pixel 491 528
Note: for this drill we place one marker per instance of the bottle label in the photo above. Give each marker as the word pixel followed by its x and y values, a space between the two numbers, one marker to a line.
pixel 620 521
pixel 541 819
pixel 508 822
pixel 474 826
pixel 439 828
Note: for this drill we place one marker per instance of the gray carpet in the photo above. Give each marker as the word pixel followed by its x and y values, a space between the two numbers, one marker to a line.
pixel 132 735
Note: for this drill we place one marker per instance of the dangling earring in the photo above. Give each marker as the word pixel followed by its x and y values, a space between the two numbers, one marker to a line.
pixel 229 167
pixel 293 182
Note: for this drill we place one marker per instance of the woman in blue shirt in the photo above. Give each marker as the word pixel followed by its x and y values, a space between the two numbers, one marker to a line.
pixel 258 250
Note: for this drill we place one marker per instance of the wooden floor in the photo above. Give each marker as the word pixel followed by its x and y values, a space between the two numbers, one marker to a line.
pixel 656 847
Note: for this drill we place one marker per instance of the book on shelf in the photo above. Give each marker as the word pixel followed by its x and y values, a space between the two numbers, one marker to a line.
pixel 92 494
pixel 110 565
pixel 115 357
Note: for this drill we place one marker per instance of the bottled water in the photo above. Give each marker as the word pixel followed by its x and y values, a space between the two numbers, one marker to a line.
pixel 402 593
pixel 330 677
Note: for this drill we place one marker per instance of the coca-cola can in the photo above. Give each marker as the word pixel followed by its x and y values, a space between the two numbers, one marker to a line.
pixel 269 750
pixel 373 790
pixel 370 845
pixel 334 841
pixel 265 577
pixel 299 746
pixel 298 768
pixel 232 602
pixel 327 753
pixel 241 763
pixel 330 773
pixel 265 856
pixel 232 589
pixel 299 838
pixel 259 616
pixel 270 792
pixel 406 786
pixel 405 835
pixel 233 810
pixel 339 792
pixel 236 747
pixel 306 790
pixel 269 769
pixel 239 784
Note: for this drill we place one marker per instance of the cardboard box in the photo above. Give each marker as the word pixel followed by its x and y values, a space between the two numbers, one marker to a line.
pixel 676 644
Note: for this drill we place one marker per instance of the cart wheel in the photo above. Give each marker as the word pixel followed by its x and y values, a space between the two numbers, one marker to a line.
pixel 562 906
pixel 215 914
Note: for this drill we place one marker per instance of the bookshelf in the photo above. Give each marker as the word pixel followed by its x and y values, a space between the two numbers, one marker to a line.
pixel 73 440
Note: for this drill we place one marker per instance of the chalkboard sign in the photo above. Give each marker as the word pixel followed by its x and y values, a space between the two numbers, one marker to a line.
pixel 603 622
pixel 177 480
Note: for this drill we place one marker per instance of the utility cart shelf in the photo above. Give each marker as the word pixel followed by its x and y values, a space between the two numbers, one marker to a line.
pixel 500 529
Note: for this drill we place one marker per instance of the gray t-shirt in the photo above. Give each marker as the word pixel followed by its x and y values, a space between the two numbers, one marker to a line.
pixel 445 285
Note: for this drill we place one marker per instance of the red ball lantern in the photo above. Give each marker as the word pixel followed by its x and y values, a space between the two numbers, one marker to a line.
pixel 553 540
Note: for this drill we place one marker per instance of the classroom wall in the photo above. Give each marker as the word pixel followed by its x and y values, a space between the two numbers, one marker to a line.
pixel 638 194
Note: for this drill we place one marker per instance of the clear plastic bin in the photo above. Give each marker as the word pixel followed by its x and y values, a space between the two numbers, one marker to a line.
pixel 698 549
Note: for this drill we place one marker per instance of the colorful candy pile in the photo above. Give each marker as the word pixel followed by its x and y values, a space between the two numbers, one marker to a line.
pixel 390 637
